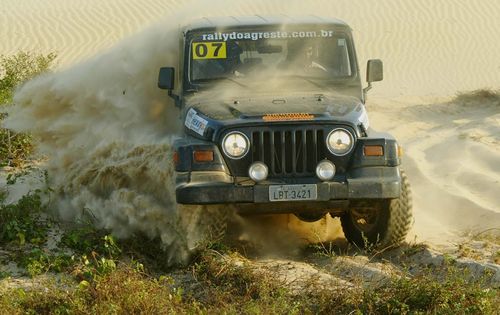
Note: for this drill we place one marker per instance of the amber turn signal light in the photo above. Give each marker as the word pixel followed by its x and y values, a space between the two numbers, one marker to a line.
pixel 175 158
pixel 373 150
pixel 203 156
pixel 400 151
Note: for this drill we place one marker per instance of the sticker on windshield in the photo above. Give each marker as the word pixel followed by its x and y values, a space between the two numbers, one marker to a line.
pixel 226 36
pixel 189 117
pixel 209 50
pixel 195 122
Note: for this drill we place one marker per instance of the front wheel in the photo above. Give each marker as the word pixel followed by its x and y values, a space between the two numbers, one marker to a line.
pixel 380 223
pixel 203 225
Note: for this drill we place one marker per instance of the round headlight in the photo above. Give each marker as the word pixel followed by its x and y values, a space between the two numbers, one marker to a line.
pixel 325 170
pixel 258 171
pixel 339 142
pixel 235 145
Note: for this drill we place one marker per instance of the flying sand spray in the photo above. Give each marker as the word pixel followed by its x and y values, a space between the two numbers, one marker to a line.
pixel 107 130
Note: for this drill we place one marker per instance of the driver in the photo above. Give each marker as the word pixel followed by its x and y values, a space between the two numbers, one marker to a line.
pixel 301 55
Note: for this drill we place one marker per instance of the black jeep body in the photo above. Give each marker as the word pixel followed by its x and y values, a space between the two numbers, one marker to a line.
pixel 287 121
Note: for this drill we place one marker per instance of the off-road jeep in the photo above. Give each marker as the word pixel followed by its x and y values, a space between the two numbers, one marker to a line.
pixel 275 122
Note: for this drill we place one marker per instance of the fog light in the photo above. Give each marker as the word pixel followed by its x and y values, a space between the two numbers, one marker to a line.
pixel 258 171
pixel 325 170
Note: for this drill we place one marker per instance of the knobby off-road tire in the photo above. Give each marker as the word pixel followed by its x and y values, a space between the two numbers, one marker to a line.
pixel 204 225
pixel 382 225
pixel 197 228
pixel 218 224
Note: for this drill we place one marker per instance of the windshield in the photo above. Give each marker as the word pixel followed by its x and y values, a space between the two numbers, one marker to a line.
pixel 320 55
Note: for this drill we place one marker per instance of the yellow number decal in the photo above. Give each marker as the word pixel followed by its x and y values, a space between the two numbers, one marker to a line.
pixel 209 50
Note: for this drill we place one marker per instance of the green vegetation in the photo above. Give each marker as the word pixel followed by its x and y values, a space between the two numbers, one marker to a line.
pixel 17 69
pixel 124 291
pixel 15 148
pixel 25 225
pixel 21 223
pixel 476 242
pixel 426 294
pixel 102 275
pixel 221 286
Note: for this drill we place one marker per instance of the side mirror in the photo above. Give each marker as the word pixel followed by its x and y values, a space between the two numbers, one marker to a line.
pixel 166 78
pixel 374 70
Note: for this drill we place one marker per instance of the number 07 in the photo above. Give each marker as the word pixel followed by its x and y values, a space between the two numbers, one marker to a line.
pixel 209 50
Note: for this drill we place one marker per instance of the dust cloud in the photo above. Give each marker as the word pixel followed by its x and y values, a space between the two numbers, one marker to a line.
pixel 107 129
pixel 108 132
pixel 283 235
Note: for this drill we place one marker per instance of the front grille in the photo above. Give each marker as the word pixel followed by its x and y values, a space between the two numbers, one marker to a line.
pixel 289 152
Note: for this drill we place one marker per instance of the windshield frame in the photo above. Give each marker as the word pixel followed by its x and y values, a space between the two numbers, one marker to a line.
pixel 191 35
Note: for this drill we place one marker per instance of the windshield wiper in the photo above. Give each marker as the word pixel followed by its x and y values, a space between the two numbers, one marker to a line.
pixel 224 78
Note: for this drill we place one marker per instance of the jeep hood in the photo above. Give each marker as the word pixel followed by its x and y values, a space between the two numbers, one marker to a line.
pixel 230 108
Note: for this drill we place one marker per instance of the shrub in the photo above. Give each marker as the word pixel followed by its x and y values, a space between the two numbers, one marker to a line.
pixel 19 68
pixel 15 148
pixel 21 221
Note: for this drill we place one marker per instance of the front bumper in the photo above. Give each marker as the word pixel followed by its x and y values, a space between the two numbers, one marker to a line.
pixel 219 188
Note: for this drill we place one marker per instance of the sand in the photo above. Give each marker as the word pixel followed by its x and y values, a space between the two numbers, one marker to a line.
pixel 452 157
pixel 431 50
pixel 429 47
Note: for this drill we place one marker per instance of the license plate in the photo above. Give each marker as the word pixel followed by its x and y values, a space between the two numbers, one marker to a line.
pixel 293 192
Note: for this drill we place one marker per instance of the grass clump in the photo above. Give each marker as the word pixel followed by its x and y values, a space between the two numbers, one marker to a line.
pixel 426 294
pixel 123 291
pixel 15 148
pixel 227 283
pixel 490 235
pixel 128 291
pixel 240 289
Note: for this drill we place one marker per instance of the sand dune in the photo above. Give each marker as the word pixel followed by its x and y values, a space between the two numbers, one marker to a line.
pixel 75 29
pixel 452 155
pixel 431 49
